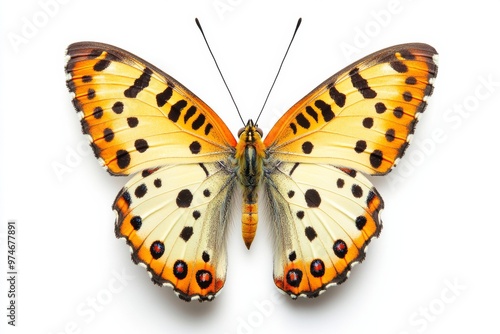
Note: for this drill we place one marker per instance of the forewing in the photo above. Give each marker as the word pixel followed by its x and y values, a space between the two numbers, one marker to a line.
pixel 137 116
pixel 174 219
pixel 362 117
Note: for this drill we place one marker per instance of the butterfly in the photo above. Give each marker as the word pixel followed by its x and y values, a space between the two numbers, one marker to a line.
pixel 310 168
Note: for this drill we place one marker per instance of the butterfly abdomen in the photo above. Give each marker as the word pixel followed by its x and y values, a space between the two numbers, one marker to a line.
pixel 249 157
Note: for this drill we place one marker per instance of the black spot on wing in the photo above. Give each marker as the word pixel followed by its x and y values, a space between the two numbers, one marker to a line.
pixel 101 65
pixel 302 121
pixel 132 122
pixel 208 127
pixel 203 278
pixel 91 93
pixel 108 135
pixel 312 197
pixel 184 198
pixel 163 97
pixel 380 108
pixel 357 191
pixel 205 256
pixel 139 84
pixel 368 122
pixel 98 112
pixel 117 107
pixel 411 81
pixel 136 222
pixel 157 249
pixel 326 110
pixel 338 97
pixel 198 122
pixel 361 84
pixel 310 233
pixel 390 135
pixel 195 147
pixel 189 113
pixel 360 222
pixel 317 268
pixel 398 112
pixel 175 110
pixel 157 183
pixel 186 233
pixel 398 66
pixel 340 248
pixel 180 270
pixel 140 191
pixel 311 112
pixel 141 145
pixel 360 146
pixel 122 159
pixel 376 158
pixel 294 277
pixel 307 147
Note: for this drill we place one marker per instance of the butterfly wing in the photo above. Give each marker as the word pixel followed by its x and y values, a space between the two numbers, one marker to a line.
pixel 137 116
pixel 174 220
pixel 174 212
pixel 324 211
pixel 324 218
pixel 362 117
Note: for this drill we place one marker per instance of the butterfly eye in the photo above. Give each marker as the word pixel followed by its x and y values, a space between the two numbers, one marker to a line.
pixel 240 131
pixel 259 131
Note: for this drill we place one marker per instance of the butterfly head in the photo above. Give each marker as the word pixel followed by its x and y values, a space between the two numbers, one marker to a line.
pixel 251 133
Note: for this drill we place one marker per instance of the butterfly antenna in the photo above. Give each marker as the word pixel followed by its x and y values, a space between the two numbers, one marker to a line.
pixel 279 69
pixel 218 68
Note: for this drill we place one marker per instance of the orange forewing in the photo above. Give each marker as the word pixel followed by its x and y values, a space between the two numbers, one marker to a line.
pixel 137 116
pixel 363 116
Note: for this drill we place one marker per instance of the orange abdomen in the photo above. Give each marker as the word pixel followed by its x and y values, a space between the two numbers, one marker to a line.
pixel 249 220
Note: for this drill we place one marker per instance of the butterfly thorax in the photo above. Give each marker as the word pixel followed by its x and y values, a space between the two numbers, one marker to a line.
pixel 249 158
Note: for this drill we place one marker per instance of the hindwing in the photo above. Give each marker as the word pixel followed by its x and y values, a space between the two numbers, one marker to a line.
pixel 174 219
pixel 323 218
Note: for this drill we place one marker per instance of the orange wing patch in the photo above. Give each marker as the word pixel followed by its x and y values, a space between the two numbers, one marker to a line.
pixel 362 117
pixel 137 116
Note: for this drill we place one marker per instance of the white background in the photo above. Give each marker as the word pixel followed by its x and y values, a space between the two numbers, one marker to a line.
pixel 432 270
